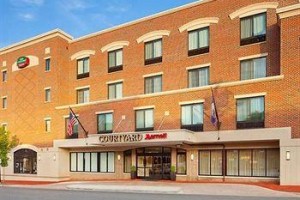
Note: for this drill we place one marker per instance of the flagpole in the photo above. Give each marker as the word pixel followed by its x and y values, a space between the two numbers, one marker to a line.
pixel 86 132
pixel 218 122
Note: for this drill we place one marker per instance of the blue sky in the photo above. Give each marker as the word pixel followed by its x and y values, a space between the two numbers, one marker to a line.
pixel 22 19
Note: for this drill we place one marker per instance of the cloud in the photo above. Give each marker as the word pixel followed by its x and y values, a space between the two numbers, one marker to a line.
pixel 26 16
pixel 117 8
pixel 75 5
pixel 20 3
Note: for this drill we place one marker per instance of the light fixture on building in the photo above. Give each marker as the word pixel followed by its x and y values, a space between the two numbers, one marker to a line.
pixel 288 155
pixel 119 157
pixel 39 158
pixel 192 157
pixel 54 157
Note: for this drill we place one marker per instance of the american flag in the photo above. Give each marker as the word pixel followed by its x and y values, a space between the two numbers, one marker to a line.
pixel 72 121
pixel 214 119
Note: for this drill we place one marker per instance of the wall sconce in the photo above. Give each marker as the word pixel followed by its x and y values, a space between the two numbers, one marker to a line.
pixel 288 155
pixel 192 157
pixel 119 157
pixel 54 157
pixel 39 158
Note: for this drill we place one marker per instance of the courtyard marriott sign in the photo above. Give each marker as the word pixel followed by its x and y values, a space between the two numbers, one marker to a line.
pixel 119 138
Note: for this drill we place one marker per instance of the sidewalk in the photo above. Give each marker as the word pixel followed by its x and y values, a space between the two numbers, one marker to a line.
pixel 166 187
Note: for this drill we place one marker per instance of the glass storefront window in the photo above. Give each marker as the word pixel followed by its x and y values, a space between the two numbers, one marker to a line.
pixel 204 163
pixel 232 162
pixel 259 164
pixel 25 162
pixel 245 163
pixel 273 162
pixel 181 162
pixel 216 163
pixel 127 161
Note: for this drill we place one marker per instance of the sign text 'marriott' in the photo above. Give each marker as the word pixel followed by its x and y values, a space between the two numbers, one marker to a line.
pixel 125 138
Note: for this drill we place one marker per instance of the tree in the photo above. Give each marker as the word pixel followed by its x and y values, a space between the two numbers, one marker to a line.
pixel 6 144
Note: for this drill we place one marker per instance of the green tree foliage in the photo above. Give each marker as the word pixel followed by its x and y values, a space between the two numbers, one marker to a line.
pixel 6 144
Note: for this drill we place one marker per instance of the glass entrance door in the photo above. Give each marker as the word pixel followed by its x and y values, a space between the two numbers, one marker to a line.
pixel 154 163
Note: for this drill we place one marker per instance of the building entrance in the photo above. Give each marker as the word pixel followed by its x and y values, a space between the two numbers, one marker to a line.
pixel 154 163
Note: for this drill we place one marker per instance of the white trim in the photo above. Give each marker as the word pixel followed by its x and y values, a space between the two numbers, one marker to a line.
pixel 47 50
pixel 116 81
pixel 48 57
pixel 253 56
pixel 198 66
pixel 82 54
pixel 4 63
pixel 288 8
pixel 198 23
pixel 153 74
pixel 252 8
pixel 82 87
pixel 114 46
pixel 253 12
pixel 4 123
pixel 3 97
pixel 242 96
pixel 191 102
pixel 170 11
pixel 153 36
pixel 4 70
pixel 178 91
pixel 47 118
pixel 104 112
pixel 144 107
pixel 46 88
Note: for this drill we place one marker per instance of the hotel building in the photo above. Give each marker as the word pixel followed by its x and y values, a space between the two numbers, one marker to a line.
pixel 143 92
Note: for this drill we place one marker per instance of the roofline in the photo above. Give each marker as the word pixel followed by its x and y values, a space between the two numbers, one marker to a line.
pixel 14 46
pixel 166 12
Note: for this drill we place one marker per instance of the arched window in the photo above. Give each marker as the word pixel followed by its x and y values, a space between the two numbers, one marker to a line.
pixel 25 162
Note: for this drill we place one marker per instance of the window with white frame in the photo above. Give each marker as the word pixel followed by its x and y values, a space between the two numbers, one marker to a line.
pixel 4 102
pixel 4 76
pixel 144 120
pixel 48 125
pixel 153 84
pixel 153 51
pixel 47 95
pixel 83 68
pixel 115 90
pixel 105 123
pixel 83 95
pixel 115 60
pixel 47 64
pixel 192 117
pixel 198 77
pixel 198 41
pixel 254 68
pixel 253 29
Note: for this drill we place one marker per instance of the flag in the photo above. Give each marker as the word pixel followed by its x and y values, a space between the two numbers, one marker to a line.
pixel 72 121
pixel 214 115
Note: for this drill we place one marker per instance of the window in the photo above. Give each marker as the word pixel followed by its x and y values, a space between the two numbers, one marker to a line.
pixel 115 91
pixel 198 77
pixel 254 68
pixel 198 41
pixel 83 95
pixel 74 130
pixel 47 65
pixel 210 162
pixel 181 162
pixel 127 161
pixel 251 113
pixel 103 162
pixel 115 60
pixel 25 162
pixel 47 95
pixel 153 84
pixel 83 68
pixel 4 76
pixel 253 29
pixel 48 125
pixel 105 123
pixel 4 126
pixel 144 120
pixel 4 102
pixel 253 162
pixel 153 52
pixel 192 117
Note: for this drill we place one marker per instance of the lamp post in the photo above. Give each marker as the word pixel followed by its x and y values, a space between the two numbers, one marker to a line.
pixel 0 171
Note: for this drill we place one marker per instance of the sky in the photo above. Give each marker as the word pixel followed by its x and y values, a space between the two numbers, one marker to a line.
pixel 22 19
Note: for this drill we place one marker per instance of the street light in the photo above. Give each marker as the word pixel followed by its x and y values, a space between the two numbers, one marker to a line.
pixel 0 171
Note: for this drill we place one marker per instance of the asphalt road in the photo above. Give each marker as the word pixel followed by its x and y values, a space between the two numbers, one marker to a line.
pixel 9 193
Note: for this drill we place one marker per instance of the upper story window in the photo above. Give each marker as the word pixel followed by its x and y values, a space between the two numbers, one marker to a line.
pixel 153 52
pixel 251 112
pixel 47 65
pixel 198 41
pixel 144 120
pixel 48 125
pixel 83 95
pixel 115 90
pixel 192 117
pixel 4 76
pixel 47 95
pixel 253 29
pixel 83 68
pixel 4 126
pixel 198 77
pixel 115 60
pixel 254 68
pixel 105 123
pixel 153 84
pixel 4 102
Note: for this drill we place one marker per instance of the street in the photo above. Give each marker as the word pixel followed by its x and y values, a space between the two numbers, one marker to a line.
pixel 11 193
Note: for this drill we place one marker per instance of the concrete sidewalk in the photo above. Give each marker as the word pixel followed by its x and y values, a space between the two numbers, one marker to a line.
pixel 167 188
